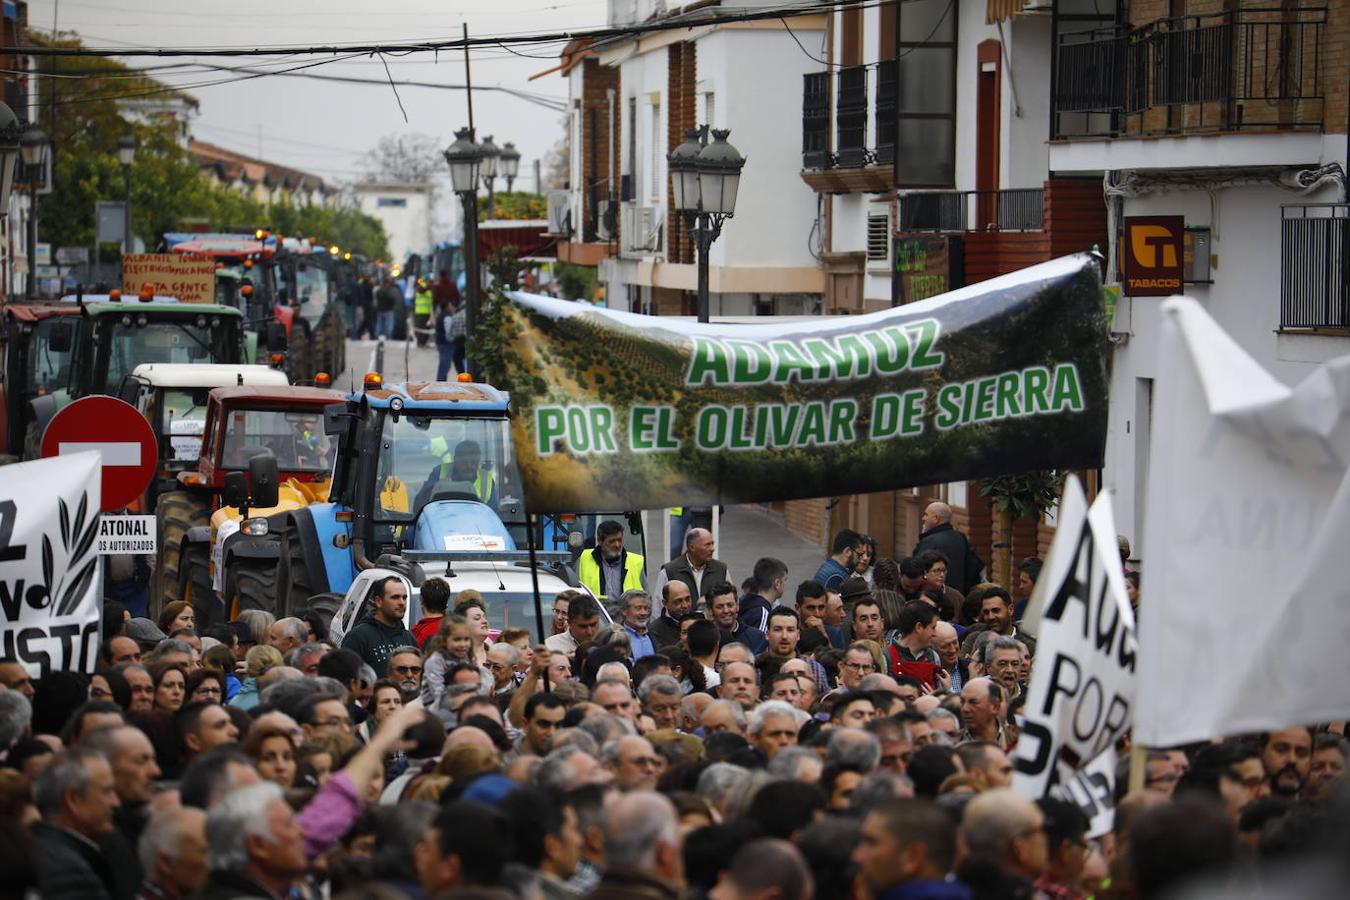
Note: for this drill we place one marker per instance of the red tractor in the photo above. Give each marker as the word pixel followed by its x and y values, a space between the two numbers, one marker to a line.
pixel 283 426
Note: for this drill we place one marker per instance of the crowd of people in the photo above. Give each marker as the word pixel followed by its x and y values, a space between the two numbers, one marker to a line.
pixel 846 735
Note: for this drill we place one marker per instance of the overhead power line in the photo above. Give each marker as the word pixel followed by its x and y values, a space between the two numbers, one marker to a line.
pixel 690 21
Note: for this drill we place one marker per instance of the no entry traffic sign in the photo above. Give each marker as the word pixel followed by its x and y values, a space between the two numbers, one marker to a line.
pixel 119 432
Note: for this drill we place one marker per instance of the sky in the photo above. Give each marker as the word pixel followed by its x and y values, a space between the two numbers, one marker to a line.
pixel 325 127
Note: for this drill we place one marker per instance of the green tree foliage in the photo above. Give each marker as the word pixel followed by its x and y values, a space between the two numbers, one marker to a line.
pixel 166 187
pixel 1016 496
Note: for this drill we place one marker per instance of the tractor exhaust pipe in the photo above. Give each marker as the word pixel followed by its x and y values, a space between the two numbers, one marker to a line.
pixel 359 554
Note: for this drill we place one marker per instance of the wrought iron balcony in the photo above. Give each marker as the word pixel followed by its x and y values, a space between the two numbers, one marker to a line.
pixel 1227 71
pixel 847 145
pixel 1020 209
pixel 1315 266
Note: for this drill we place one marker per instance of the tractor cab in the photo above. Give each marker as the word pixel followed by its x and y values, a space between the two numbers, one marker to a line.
pixel 442 472
pixel 80 345
pixel 174 398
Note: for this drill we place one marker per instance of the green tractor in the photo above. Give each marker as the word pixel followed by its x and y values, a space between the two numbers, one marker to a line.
pixel 59 351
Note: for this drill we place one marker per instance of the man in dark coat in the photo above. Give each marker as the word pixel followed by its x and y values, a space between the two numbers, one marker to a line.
pixel 76 798
pixel 696 566
pixel 254 846
pixel 642 849
pixel 963 566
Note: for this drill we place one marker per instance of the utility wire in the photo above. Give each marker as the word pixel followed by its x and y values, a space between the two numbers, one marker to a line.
pixel 685 22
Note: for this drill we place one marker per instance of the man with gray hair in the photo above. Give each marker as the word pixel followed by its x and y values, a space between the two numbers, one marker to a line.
pixel 1005 833
pixel 304 657
pixel 254 846
pixel 642 848
pixel 946 726
pixel 171 650
pixel 633 762
pixel 288 634
pixel 568 767
pixel 715 782
pixel 695 566
pixel 723 715
pixel 501 662
pixel 853 748
pixel 773 726
pixel 635 612
pixel 1003 660
pixel 661 699
pixel 172 852
pixel 76 799
pixel 797 764
pixel 16 713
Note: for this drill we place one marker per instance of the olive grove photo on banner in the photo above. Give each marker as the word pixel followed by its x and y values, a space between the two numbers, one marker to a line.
pixel 616 410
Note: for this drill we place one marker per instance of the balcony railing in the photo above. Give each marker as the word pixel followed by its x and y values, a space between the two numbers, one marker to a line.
pixel 1020 209
pixel 1315 266
pixel 1242 69
pixel 849 146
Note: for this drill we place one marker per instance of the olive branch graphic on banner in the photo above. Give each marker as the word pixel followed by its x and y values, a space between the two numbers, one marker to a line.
pixel 77 541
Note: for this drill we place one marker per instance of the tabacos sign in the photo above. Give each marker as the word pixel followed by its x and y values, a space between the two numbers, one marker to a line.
pixel 1154 255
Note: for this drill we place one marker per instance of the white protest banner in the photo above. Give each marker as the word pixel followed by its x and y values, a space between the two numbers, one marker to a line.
pixel 1245 604
pixel 1082 686
pixel 1093 790
pixel 51 580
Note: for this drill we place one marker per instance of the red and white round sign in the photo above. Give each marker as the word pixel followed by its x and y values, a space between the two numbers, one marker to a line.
pixel 119 432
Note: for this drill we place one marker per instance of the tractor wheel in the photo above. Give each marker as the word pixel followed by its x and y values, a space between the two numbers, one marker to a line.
pixel 255 586
pixel 175 513
pixel 294 576
pixel 300 357
pixel 330 343
pixel 194 584
pixel 326 605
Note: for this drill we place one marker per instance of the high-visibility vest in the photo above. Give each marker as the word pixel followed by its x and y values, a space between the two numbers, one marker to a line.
pixel 588 572
pixel 482 482
pixel 422 303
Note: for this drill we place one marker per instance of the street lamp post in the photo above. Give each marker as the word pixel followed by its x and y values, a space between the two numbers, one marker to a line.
pixel 510 163
pixel 33 152
pixel 488 154
pixel 126 154
pixel 704 180
pixel 464 158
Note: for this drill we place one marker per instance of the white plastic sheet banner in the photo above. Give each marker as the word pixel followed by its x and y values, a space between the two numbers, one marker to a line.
pixel 1244 606
pixel 1082 686
pixel 51 577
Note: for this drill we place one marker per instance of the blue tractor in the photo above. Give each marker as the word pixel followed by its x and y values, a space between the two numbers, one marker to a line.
pixel 424 483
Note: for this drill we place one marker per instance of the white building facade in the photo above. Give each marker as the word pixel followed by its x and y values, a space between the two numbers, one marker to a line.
pixel 632 101
pixel 405 212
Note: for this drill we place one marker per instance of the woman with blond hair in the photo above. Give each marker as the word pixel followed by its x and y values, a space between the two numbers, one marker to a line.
pixel 258 661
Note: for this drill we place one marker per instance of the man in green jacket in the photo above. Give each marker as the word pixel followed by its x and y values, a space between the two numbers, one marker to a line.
pixel 382 630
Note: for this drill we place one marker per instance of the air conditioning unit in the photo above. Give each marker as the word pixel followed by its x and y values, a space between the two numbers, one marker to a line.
pixel 607 226
pixel 641 231
pixel 560 213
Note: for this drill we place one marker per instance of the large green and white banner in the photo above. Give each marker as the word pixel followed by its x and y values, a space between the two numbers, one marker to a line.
pixel 615 410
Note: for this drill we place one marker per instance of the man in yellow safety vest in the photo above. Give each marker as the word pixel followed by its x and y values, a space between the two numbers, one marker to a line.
pixel 463 475
pixel 422 311
pixel 609 569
